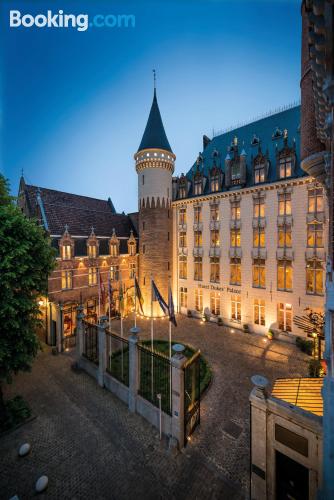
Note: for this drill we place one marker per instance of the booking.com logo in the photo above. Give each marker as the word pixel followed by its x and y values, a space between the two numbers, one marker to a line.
pixel 60 20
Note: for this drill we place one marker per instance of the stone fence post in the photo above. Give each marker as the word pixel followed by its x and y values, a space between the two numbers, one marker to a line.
pixel 133 368
pixel 101 329
pixel 177 438
pixel 80 332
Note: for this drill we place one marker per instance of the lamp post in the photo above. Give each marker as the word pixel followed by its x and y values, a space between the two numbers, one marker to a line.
pixel 315 344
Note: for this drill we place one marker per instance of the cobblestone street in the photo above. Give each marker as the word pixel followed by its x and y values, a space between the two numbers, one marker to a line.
pixel 89 445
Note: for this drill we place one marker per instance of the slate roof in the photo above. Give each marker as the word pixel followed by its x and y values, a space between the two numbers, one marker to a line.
pixel 263 129
pixel 80 213
pixel 154 134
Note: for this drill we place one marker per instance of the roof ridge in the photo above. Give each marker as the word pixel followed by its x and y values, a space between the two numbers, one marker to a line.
pixel 84 208
pixel 65 192
pixel 256 119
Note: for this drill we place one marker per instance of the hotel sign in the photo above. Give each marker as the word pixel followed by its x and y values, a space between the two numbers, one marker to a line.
pixel 217 288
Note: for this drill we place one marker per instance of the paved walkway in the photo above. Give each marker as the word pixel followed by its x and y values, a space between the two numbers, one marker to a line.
pixel 90 446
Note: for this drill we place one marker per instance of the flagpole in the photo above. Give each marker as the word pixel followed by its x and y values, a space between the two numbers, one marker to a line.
pixel 109 289
pixel 99 296
pixel 134 286
pixel 170 345
pixel 152 322
pixel 121 303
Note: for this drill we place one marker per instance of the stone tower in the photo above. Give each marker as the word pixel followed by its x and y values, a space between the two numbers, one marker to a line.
pixel 155 166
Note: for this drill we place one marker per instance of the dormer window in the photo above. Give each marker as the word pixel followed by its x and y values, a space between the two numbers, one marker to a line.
pixel 198 186
pixel 285 167
pixel 66 251
pixel 132 248
pixel 182 192
pixel 92 251
pixel 214 183
pixel 235 172
pixel 259 173
pixel 114 249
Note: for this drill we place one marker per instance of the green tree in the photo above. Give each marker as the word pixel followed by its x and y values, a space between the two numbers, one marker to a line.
pixel 26 260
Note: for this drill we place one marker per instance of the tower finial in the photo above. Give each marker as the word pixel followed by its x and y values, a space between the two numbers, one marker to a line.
pixel 154 79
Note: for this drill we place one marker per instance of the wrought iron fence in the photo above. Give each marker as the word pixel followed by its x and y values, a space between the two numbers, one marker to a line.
pixel 192 395
pixel 117 357
pixel 91 342
pixel 155 377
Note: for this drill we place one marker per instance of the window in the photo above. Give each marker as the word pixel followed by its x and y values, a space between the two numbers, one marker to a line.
pixel 315 235
pixel 214 269
pixel 113 249
pixel 284 275
pixel 214 238
pixel 92 251
pixel 315 200
pixel 132 248
pixel 235 272
pixel 199 300
pixel 235 237
pixel 259 237
pixel 183 216
pixel 258 207
pixel 143 179
pixel 259 273
pixel 214 212
pixel 259 312
pixel 114 271
pixel 183 239
pixel 198 185
pixel 182 191
pixel 132 270
pixel 198 268
pixel 235 210
pixel 259 173
pixel 183 297
pixel 235 172
pixel 197 238
pixel 183 267
pixel 66 251
pixel 214 183
pixel 314 277
pixel 284 236
pixel 66 280
pixel 92 276
pixel 197 215
pixel 284 204
pixel 215 303
pixel 285 167
pixel 285 317
pixel 236 308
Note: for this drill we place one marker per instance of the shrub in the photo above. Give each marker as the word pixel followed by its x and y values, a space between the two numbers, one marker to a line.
pixel 305 345
pixel 315 368
pixel 17 410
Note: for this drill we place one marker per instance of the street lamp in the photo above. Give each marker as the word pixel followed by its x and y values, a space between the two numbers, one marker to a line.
pixel 316 344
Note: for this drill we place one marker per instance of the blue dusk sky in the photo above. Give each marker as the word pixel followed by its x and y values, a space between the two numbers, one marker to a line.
pixel 75 104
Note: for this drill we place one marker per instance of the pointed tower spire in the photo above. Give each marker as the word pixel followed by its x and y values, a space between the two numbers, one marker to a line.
pixel 154 135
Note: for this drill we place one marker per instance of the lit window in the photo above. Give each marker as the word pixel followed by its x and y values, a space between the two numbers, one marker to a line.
pixel 197 238
pixel 285 167
pixel 259 173
pixel 235 210
pixel 183 267
pixel 259 237
pixel 258 207
pixel 236 308
pixel 183 239
pixel 114 272
pixel 315 200
pixel 259 312
pixel 284 204
pixel 66 252
pixel 284 275
pixel 183 216
pixel 183 297
pixel 92 276
pixel 315 235
pixel 114 249
pixel 214 182
pixel 214 212
pixel 132 270
pixel 214 269
pixel 314 277
pixel 235 239
pixel 197 215
pixel 199 300
pixel 235 272
pixel 214 238
pixel 215 303
pixel 259 273
pixel 66 280
pixel 198 271
pixel 284 317
pixel 284 236
pixel 92 251
pixel 198 186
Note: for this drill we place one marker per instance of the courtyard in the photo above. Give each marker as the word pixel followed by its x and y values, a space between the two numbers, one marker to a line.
pixel 88 444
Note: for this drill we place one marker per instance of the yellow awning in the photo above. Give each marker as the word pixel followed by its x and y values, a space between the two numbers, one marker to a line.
pixel 302 392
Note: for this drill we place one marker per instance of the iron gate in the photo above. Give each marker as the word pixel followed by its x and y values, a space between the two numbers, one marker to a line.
pixel 192 395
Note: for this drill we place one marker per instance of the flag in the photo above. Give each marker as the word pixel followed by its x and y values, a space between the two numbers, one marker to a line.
pixel 157 296
pixel 102 289
pixel 121 297
pixel 171 310
pixel 139 295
